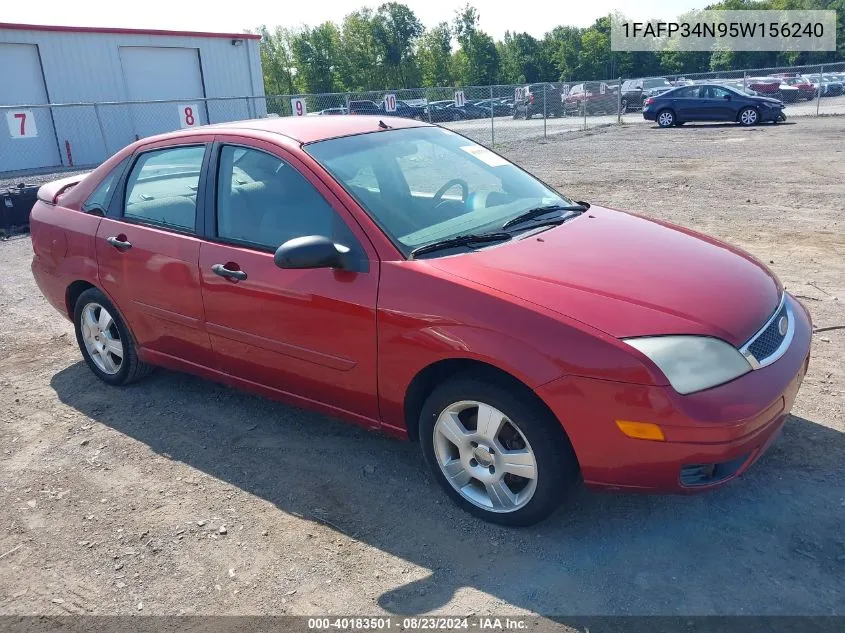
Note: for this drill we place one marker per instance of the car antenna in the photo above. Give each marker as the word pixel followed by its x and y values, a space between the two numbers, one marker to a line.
pixel 383 125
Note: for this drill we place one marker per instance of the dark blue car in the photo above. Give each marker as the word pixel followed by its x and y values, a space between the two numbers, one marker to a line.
pixel 711 102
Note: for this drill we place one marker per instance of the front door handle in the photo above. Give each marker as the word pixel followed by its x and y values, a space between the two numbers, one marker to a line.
pixel 119 244
pixel 234 275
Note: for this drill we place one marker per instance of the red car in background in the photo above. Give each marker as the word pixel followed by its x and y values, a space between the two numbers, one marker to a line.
pixel 806 89
pixel 407 279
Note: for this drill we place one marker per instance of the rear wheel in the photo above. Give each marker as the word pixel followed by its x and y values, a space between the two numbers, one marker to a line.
pixel 665 118
pixel 623 107
pixel 748 116
pixel 498 455
pixel 104 340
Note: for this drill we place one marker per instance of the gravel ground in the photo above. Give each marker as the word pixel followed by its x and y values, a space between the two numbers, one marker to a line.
pixel 178 495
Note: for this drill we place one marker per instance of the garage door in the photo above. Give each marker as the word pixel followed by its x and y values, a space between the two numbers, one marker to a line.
pixel 27 139
pixel 155 73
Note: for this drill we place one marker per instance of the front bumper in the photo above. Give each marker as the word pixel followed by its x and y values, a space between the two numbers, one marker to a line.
pixel 719 432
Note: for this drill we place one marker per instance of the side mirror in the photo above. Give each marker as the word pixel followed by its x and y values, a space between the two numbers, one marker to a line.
pixel 312 251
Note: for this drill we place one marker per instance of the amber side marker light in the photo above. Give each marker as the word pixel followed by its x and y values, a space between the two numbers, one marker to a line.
pixel 641 430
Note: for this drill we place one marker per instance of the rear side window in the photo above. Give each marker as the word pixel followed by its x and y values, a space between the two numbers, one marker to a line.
pixel 162 188
pixel 98 201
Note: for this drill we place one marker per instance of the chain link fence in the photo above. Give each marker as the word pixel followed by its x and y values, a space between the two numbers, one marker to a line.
pixel 46 136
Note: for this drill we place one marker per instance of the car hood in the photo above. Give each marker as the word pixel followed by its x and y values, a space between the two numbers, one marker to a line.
pixel 629 276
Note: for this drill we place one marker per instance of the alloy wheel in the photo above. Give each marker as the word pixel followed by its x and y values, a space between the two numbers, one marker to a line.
pixel 748 116
pixel 665 119
pixel 485 457
pixel 101 338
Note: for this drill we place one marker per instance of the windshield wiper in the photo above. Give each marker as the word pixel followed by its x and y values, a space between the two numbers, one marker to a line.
pixel 461 240
pixel 541 211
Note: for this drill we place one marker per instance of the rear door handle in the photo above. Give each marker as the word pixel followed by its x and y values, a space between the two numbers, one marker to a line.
pixel 119 244
pixel 234 275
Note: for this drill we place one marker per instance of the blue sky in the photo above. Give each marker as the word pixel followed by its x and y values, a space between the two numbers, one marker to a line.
pixel 497 16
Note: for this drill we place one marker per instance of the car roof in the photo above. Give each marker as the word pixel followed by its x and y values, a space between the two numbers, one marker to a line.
pixel 307 129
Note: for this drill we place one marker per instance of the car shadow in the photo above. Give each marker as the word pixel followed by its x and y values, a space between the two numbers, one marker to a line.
pixel 726 124
pixel 769 543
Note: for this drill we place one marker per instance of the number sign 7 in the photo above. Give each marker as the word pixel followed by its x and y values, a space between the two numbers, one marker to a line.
pixel 21 124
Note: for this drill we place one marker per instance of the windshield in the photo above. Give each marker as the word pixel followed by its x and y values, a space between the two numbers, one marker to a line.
pixel 656 83
pixel 426 184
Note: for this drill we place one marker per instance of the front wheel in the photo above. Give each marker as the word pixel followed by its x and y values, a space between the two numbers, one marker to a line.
pixel 104 340
pixel 498 454
pixel 748 116
pixel 666 118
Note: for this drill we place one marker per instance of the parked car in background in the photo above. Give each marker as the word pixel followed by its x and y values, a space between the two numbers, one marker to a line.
pixel 331 111
pixel 440 111
pixel 587 99
pixel 412 281
pixel 500 106
pixel 774 87
pixel 540 98
pixel 405 110
pixel 711 102
pixel 827 85
pixel 364 107
pixel 636 91
pixel 806 89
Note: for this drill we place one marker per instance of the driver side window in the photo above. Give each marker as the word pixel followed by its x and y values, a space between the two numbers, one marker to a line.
pixel 263 201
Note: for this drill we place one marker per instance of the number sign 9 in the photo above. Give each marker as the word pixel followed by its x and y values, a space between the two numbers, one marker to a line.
pixel 297 106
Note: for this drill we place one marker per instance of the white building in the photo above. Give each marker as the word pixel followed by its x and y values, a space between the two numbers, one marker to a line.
pixel 190 72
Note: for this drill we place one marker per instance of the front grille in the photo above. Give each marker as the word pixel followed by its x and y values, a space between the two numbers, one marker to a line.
pixel 769 339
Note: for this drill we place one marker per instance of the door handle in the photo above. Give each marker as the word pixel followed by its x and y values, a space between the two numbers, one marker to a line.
pixel 119 244
pixel 234 275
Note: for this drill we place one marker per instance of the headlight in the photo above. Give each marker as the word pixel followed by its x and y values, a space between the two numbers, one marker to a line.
pixel 692 363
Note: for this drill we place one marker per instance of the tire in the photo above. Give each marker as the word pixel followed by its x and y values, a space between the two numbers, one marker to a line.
pixel 623 107
pixel 87 314
pixel 528 429
pixel 748 116
pixel 665 118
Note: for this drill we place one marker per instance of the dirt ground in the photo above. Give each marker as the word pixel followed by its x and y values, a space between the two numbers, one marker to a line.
pixel 179 496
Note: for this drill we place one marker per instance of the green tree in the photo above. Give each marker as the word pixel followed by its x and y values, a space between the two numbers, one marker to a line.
pixel 316 52
pixel 482 58
pixel 435 56
pixel 522 59
pixel 277 61
pixel 395 30
pixel 360 63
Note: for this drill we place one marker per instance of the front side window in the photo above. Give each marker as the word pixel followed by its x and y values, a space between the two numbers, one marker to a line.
pixel 426 184
pixel 162 188
pixel 263 201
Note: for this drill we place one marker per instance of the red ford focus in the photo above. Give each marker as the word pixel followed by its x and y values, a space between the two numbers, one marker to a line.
pixel 405 278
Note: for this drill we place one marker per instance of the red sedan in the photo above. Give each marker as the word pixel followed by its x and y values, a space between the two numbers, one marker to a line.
pixel 405 278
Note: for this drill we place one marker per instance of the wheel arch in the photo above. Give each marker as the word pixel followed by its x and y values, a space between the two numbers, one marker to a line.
pixel 438 372
pixel 756 108
pixel 73 292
